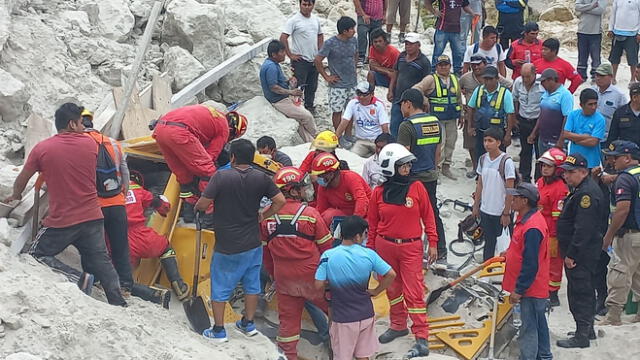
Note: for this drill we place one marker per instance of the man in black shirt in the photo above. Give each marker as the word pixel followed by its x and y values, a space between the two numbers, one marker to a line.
pixel 624 268
pixel 411 67
pixel 235 194
pixel 625 124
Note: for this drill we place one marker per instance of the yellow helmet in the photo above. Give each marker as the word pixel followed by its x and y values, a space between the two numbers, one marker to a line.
pixel 325 141
pixel 88 113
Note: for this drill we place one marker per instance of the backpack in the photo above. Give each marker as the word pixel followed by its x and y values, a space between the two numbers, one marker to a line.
pixel 503 161
pixel 108 182
pixel 476 47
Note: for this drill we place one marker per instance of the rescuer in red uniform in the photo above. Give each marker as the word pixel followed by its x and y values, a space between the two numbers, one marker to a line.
pixel 191 138
pixel 552 190
pixel 293 240
pixel 341 192
pixel 397 212
pixel 145 242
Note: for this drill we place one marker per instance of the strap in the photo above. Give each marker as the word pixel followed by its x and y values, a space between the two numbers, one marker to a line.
pixel 501 91
pixel 502 165
pixel 454 83
pixel 277 219
pixel 298 213
pixel 479 97
pixel 476 46
pixel 438 85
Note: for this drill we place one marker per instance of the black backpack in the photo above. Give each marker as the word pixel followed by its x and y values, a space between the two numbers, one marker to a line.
pixel 501 166
pixel 108 183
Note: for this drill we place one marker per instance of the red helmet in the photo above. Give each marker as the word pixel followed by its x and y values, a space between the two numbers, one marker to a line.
pixel 324 163
pixel 553 157
pixel 237 124
pixel 288 177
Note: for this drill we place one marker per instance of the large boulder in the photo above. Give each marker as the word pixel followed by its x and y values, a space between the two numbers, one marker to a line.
pixel 241 84
pixel 198 28
pixel 112 18
pixel 559 13
pixel 78 19
pixel 264 119
pixel 259 18
pixel 14 98
pixel 183 68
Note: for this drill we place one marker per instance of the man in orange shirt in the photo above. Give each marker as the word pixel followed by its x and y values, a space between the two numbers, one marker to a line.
pixel 382 59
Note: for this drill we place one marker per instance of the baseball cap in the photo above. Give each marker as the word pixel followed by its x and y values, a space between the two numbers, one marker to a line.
pixel 443 59
pixel 527 190
pixel 477 59
pixel 621 147
pixel 548 74
pixel 574 161
pixel 604 69
pixel 413 95
pixel 364 87
pixel 531 26
pixel 634 88
pixel 412 37
pixel 490 72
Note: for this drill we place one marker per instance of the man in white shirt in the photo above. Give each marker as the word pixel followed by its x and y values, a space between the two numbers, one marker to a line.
pixel 306 38
pixel 371 170
pixel 488 48
pixel 369 116
pixel 624 32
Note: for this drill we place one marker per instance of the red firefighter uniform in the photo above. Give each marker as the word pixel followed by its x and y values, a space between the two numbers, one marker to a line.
pixel 191 138
pixel 350 197
pixel 551 198
pixel 293 241
pixel 144 242
pixel 395 232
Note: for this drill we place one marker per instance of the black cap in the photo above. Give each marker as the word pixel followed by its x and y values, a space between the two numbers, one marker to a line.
pixel 621 147
pixel 531 26
pixel 490 72
pixel 574 161
pixel 549 74
pixel 477 59
pixel 525 189
pixel 412 95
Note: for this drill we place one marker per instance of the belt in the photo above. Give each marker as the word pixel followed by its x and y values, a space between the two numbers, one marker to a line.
pixel 172 123
pixel 528 119
pixel 400 241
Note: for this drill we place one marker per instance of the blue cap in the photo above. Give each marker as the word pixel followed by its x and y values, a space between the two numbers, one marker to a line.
pixel 621 147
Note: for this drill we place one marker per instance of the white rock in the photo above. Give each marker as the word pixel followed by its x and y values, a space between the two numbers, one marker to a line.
pixel 12 322
pixel 14 98
pixel 199 28
pixel 558 13
pixel 141 9
pixel 5 23
pixel 4 231
pixel 112 18
pixel 8 175
pixel 79 19
pixel 241 84
pixel 183 68
pixel 260 18
pixel 22 356
pixel 264 119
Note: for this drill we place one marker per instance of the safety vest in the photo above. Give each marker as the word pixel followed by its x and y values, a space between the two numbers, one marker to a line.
pixel 635 172
pixel 427 139
pixel 444 101
pixel 289 228
pixel 490 112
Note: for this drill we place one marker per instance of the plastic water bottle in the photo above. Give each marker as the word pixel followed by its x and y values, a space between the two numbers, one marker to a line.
pixel 517 320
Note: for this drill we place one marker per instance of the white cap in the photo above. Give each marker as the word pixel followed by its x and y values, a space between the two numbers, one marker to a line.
pixel 412 37
pixel 364 87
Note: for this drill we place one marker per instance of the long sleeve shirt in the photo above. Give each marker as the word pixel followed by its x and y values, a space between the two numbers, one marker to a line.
pixel 351 195
pixel 529 271
pixel 590 14
pixel 625 17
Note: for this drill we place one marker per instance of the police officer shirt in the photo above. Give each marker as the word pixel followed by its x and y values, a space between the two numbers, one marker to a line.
pixel 626 189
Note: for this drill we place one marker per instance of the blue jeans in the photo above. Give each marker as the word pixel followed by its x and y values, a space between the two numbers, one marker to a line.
pixel 534 334
pixel 588 46
pixel 465 30
pixel 396 119
pixel 441 38
pixel 319 319
pixel 363 34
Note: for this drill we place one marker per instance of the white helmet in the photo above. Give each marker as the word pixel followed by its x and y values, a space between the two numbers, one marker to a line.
pixel 393 154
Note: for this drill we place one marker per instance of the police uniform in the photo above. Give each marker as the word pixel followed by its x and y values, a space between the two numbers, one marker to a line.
pixel 580 239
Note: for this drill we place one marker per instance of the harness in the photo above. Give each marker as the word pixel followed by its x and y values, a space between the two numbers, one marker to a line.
pixel 443 100
pixel 289 229
pixel 490 112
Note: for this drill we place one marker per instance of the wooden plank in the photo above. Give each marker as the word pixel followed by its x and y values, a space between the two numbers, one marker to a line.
pixel 22 212
pixel 161 93
pixel 135 122
pixel 215 74
pixel 38 129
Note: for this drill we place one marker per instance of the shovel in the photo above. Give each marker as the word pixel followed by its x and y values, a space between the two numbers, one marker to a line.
pixel 194 306
pixel 435 294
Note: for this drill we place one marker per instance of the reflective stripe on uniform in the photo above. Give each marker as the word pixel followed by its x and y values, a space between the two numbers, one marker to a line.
pixel 185 195
pixel 427 141
pixel 397 300
pixel 555 283
pixel 555 213
pixel 283 339
pixel 498 102
pixel 303 218
pixel 523 4
pixel 324 239
pixel 417 310
pixel 134 187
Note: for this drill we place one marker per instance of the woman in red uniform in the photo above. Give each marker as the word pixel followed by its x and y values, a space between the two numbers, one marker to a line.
pixel 397 211
pixel 552 190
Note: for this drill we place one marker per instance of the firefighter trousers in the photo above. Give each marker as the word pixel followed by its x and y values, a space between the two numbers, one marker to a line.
pixel 556 264
pixel 290 316
pixel 406 293
pixel 624 270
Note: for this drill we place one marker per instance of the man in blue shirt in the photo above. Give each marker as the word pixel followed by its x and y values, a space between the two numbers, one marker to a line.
pixel 275 88
pixel 345 269
pixel 585 128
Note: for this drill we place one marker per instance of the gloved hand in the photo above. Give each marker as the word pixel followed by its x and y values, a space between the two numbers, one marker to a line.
pixel 346 142
pixel 162 206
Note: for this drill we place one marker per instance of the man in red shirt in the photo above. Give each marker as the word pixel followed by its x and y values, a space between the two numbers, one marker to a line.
pixel 341 192
pixel 525 50
pixel 67 162
pixel 182 135
pixel 293 240
pixel 382 59
pixel 550 59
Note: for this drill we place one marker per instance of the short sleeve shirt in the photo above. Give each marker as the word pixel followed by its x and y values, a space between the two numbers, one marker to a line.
pixel 553 108
pixel 451 11
pixel 388 58
pixel 410 73
pixel 626 189
pixel 529 100
pixel 304 33
pixel 67 162
pixel 271 74
pixel 493 184
pixel 340 55
pixel 592 125
pixel 347 268
pixel 608 102
pixel 368 119
pixel 493 56
pixel 236 196
pixel 507 101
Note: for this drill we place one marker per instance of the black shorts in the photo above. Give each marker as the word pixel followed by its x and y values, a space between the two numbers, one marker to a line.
pixel 630 47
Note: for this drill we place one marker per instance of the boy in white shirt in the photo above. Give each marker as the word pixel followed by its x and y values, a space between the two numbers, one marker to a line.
pixel 371 170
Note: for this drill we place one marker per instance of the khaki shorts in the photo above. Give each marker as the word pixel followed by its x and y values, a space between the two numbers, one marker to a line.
pixel 364 148
pixel 404 7
pixel 339 97
pixel 354 339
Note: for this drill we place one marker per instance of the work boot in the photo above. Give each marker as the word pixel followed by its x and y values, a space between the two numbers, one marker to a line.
pixel 421 348
pixel 170 267
pixel 446 171
pixel 85 283
pixel 401 38
pixel 152 294
pixel 188 212
pixel 389 335
pixel 573 342
pixel 471 174
pixel 592 334
pixel 612 318
pixel 554 301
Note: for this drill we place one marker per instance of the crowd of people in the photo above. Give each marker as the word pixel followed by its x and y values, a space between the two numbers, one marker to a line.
pixel 506 85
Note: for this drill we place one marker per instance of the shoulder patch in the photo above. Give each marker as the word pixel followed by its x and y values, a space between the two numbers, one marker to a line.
pixel 585 201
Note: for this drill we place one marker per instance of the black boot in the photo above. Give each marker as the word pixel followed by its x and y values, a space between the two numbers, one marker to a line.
pixel 554 301
pixel 187 213
pixel 421 348
pixel 189 195
pixel 170 267
pixel 391 334
pixel 152 294
pixel 592 334
pixel 579 340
